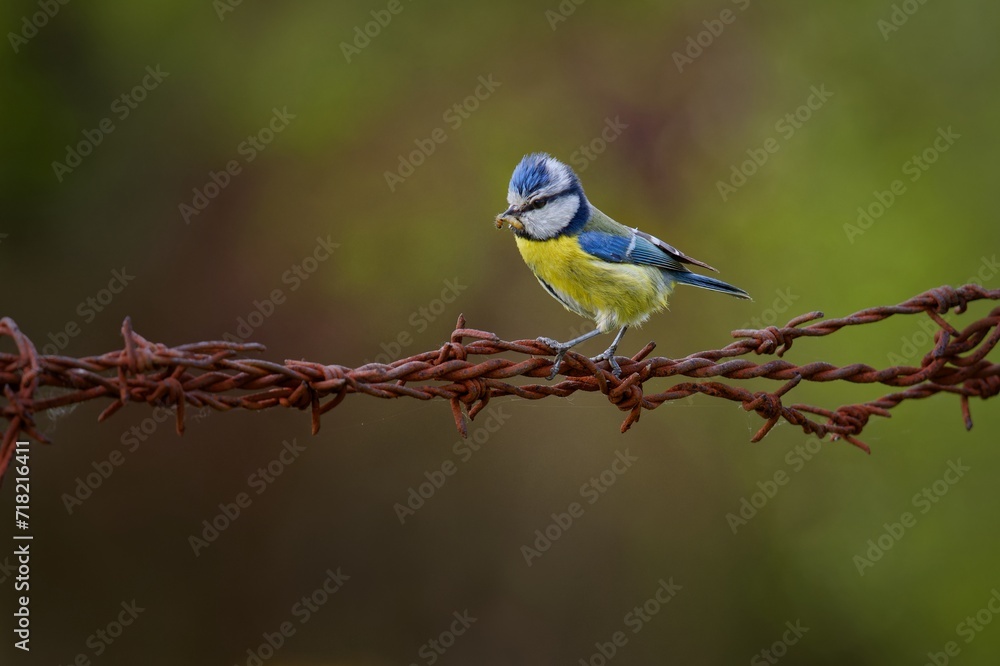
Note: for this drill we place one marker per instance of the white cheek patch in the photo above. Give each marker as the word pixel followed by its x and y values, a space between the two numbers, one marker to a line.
pixel 552 218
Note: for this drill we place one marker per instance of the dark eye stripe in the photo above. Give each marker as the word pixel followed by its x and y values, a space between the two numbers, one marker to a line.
pixel 537 203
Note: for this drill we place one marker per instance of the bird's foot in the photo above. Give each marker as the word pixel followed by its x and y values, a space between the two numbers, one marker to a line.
pixel 609 356
pixel 560 349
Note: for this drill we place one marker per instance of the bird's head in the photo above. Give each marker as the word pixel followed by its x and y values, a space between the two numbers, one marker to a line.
pixel 545 199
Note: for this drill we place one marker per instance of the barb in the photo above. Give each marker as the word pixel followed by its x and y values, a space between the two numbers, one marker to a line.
pixel 218 375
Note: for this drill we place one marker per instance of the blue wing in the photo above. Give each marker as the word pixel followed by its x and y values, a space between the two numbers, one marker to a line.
pixel 645 250
pixel 631 249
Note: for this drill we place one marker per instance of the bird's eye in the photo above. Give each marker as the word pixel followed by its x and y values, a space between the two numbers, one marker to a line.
pixel 537 203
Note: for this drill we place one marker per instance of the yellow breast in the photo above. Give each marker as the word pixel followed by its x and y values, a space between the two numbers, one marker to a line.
pixel 613 295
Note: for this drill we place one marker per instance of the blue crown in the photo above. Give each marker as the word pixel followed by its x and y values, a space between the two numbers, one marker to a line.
pixel 530 175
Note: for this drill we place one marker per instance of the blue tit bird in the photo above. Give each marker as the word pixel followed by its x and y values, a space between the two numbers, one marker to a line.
pixel 615 275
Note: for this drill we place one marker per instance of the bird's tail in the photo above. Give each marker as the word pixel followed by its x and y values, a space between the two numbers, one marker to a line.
pixel 705 282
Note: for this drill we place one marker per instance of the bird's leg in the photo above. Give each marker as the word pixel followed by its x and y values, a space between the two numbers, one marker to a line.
pixel 562 347
pixel 609 354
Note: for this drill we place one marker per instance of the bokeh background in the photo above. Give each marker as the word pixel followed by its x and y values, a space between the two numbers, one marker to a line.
pixel 412 253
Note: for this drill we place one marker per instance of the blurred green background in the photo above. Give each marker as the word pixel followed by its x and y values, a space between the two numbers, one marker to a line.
pixel 325 112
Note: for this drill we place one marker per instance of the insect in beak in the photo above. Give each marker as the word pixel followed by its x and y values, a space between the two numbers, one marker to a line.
pixel 508 217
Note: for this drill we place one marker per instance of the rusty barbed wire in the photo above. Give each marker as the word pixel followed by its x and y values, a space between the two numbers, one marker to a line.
pixel 208 373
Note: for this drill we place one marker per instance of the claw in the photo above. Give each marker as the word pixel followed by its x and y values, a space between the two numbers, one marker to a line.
pixel 555 366
pixel 609 356
pixel 560 350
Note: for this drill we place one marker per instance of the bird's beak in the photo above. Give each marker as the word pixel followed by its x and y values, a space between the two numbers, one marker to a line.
pixel 509 216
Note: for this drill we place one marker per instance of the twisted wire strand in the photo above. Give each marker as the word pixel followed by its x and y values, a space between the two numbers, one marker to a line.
pixel 219 375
